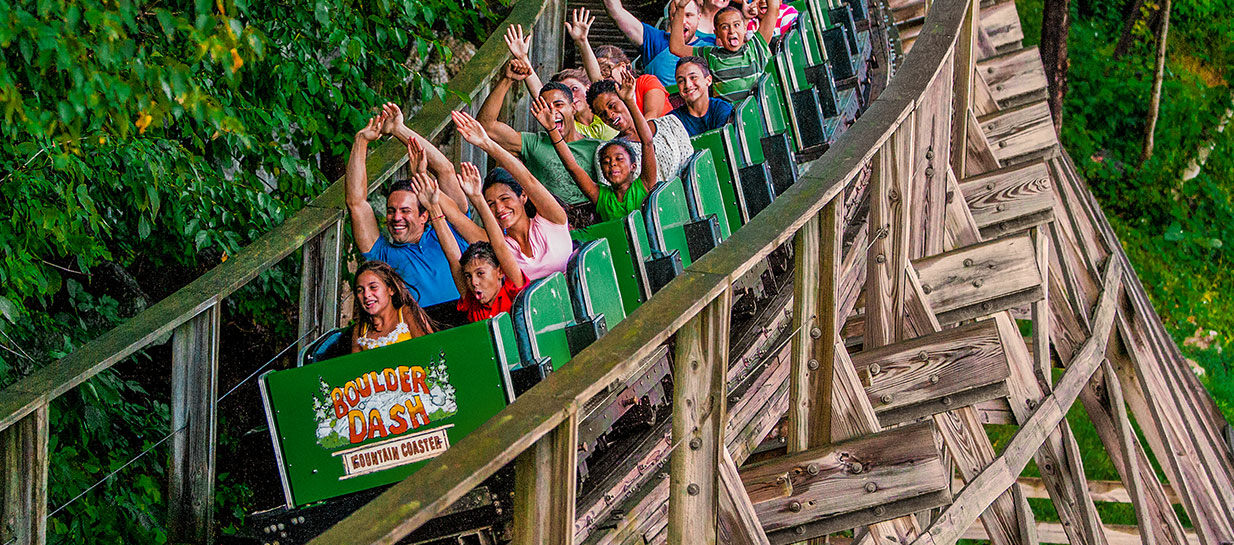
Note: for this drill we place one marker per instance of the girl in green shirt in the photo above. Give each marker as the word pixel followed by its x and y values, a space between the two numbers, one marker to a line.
pixel 617 158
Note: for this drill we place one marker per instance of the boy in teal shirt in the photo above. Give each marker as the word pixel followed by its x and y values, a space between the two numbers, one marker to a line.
pixel 735 61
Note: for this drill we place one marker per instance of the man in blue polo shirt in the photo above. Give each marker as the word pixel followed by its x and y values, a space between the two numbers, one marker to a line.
pixel 657 60
pixel 412 248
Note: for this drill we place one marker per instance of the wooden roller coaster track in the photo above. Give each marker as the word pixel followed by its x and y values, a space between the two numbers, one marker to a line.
pixel 942 215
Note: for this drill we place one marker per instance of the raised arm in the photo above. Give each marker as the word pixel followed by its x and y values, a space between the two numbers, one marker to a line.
pixel 626 21
pixel 626 92
pixel 579 28
pixel 363 221
pixel 469 175
pixel 542 113
pixel 501 133
pixel 423 155
pixel 677 34
pixel 767 25
pixel 520 48
pixel 547 206
pixel 429 196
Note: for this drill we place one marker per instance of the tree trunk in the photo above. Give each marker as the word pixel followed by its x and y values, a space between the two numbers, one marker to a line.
pixel 1055 23
pixel 1124 40
pixel 1154 103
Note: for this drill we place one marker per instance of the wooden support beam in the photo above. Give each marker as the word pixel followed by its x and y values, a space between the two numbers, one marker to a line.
pixel 1054 532
pixel 699 417
pixel 23 503
pixel 1011 199
pixel 859 474
pixel 934 372
pixel 965 63
pixel 545 483
pixel 887 256
pixel 981 155
pixel 1000 475
pixel 817 247
pixel 1041 312
pixel 1101 491
pixel 982 279
pixel 194 394
pixel 319 283
pixel 739 523
pixel 1009 519
pixel 961 229
pixel 1133 478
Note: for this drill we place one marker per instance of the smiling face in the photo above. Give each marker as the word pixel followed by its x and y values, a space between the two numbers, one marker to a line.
pixel 484 279
pixel 614 113
pixel 617 165
pixel 374 295
pixel 731 30
pixel 404 217
pixel 508 207
pixel 692 82
pixel 578 96
pixel 562 107
pixel 689 21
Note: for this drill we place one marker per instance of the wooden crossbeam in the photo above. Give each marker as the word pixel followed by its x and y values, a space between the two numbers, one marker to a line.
pixel 1001 474
pixel 1020 134
pixel 545 484
pixel 981 279
pixel 739 524
pixel 855 475
pixel 1011 199
pixel 935 373
pixel 1015 77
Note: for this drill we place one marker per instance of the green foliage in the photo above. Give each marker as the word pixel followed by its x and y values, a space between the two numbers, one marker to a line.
pixel 143 142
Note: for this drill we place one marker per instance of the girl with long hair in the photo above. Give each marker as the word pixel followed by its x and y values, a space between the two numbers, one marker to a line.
pixel 386 311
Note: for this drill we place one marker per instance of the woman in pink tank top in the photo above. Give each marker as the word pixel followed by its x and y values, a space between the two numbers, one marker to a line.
pixel 534 222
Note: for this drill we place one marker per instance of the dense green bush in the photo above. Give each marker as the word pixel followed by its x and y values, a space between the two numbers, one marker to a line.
pixel 141 143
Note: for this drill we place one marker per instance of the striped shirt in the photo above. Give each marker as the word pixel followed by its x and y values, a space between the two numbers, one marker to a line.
pixel 736 72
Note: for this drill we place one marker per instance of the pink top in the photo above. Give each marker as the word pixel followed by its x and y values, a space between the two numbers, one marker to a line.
pixel 788 14
pixel 550 249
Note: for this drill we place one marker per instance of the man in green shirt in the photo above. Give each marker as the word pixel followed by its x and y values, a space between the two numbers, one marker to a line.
pixel 536 149
pixel 735 61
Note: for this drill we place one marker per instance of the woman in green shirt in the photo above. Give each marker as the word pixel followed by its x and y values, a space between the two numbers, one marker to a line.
pixel 617 159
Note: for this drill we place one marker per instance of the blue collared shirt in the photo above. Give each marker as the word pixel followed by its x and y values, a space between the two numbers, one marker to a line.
pixel 422 265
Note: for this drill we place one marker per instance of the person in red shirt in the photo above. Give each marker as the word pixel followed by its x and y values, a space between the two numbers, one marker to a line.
pixel 487 276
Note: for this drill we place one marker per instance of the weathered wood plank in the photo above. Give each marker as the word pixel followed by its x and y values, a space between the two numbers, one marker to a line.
pixel 1041 311
pixel 1015 77
pixel 1010 199
pixel 739 524
pixel 931 154
pixel 1020 134
pixel 981 279
pixel 932 366
pixel 1101 491
pixel 699 417
pixel 979 152
pixel 23 496
pixel 545 483
pixel 961 229
pixel 983 97
pixel 1134 480
pixel 319 283
pixel 887 255
pixel 1054 532
pixel 194 394
pixel 1001 23
pixel 844 477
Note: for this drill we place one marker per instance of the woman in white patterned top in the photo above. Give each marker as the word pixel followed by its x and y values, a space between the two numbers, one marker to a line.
pixel 669 136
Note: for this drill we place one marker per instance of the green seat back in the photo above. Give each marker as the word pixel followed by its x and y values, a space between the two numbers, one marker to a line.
pixel 593 284
pixel 812 38
pixel 794 53
pixel 541 314
pixel 627 241
pixel 771 97
pixel 667 214
pixel 724 157
pixel 748 123
pixel 703 194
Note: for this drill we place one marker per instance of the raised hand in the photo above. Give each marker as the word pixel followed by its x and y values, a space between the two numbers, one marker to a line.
pixel 469 180
pixel 426 190
pixel 372 130
pixel 579 24
pixel 542 113
pixel 625 82
pixel 394 118
pixel 470 129
pixel 517 69
pixel 416 156
pixel 519 44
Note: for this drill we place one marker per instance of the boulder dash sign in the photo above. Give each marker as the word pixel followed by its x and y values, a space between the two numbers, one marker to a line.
pixel 374 417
